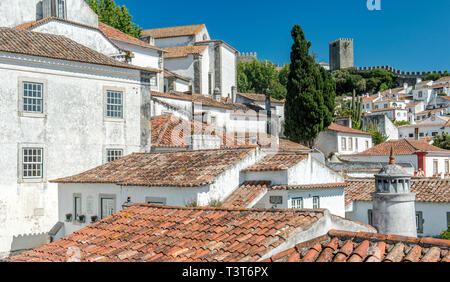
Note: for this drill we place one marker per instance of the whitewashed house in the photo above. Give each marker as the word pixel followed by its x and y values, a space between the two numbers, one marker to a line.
pixel 209 64
pixel 432 203
pixel 63 110
pixel 343 140
pixel 428 128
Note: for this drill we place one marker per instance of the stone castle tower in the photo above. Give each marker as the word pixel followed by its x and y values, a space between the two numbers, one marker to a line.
pixel 394 210
pixel 341 54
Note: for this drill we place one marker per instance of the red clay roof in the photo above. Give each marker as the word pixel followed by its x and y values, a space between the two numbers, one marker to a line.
pixel 259 97
pixel 246 194
pixel 428 190
pixel 116 34
pixel 278 162
pixel 172 169
pixel 150 233
pixel 442 79
pixel 183 51
pixel 58 47
pixel 176 31
pixel 287 145
pixel 309 187
pixel 344 129
pixel 342 246
pixel 401 147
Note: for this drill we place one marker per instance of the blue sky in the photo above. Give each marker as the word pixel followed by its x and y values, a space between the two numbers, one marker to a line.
pixel 411 35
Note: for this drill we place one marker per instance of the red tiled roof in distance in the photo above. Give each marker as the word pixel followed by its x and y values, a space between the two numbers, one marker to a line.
pixel 171 169
pixel 443 79
pixel 116 34
pixel 344 129
pixel 183 51
pixel 246 194
pixel 259 97
pixel 343 246
pixel 428 190
pixel 310 186
pixel 287 145
pixel 151 233
pixel 278 162
pixel 55 47
pixel 176 31
pixel 401 147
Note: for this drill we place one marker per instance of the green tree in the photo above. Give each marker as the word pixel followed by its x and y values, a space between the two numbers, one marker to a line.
pixel 257 76
pixel 378 137
pixel 446 234
pixel 442 141
pixel 379 80
pixel 310 93
pixel 347 80
pixel 283 74
pixel 435 76
pixel 116 16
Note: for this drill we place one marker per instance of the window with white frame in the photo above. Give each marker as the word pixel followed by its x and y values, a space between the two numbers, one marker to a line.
pixel 33 97
pixel 32 163
pixel 297 203
pixel 76 206
pixel 107 206
pixel 344 143
pixel 350 144
pixel 114 104
pixel 316 202
pixel 113 154
pixel 62 9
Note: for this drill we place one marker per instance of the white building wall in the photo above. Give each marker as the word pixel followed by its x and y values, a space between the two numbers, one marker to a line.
pixel 73 133
pixel 181 66
pixel 228 70
pixel 174 41
pixel 205 72
pixel 434 214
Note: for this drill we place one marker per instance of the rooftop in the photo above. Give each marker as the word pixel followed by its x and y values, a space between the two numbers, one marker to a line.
pixel 259 97
pixel 401 147
pixel 246 194
pixel 428 190
pixel 58 47
pixel 171 169
pixel 151 233
pixel 183 51
pixel 342 246
pixel 278 162
pixel 176 31
pixel 310 186
pixel 344 129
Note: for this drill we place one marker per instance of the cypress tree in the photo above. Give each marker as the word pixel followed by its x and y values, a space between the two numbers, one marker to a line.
pixel 310 94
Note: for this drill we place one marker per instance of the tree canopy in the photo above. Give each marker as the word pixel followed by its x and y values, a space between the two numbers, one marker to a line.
pixel 116 16
pixel 435 76
pixel 310 99
pixel 257 76
pixel 442 141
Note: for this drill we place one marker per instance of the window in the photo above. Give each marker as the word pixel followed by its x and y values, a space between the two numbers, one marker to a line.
pixel 114 104
pixel 435 167
pixel 113 154
pixel 420 94
pixel 344 143
pixel 419 222
pixel 356 144
pixel 213 120
pixel 33 99
pixel 107 206
pixel 156 201
pixel 367 145
pixel 447 166
pixel 33 163
pixel 62 8
pixel 297 203
pixel 276 200
pixel 76 206
pixel 376 107
pixel 316 202
pixel 149 78
pixel 448 218
pixel 350 144
pixel 370 217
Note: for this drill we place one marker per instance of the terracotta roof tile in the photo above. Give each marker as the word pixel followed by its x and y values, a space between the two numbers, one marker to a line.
pixel 160 227
pixel 175 31
pixel 443 79
pixel 310 186
pixel 401 147
pixel 58 47
pixel 340 246
pixel 246 194
pixel 278 162
pixel 340 128
pixel 259 97
pixel 116 34
pixel 287 145
pixel 179 169
pixel 427 190
pixel 183 51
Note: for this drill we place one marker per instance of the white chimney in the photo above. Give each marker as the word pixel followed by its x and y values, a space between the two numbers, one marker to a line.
pixel 394 210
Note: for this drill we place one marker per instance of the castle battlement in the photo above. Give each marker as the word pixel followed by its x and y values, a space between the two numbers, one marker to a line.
pixel 405 74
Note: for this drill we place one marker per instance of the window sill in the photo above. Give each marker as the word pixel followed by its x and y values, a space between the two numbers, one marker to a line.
pixel 32 180
pixel 116 120
pixel 32 115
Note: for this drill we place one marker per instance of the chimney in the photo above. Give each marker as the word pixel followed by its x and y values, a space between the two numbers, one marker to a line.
pixel 394 210
pixel 416 133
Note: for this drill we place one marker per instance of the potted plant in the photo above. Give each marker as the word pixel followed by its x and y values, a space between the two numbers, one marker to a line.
pixel 94 219
pixel 82 218
pixel 68 217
